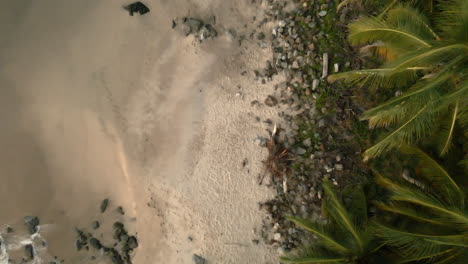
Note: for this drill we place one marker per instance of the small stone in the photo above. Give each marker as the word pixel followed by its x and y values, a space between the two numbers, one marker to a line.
pixel 295 65
pixel 120 210
pixel 232 34
pixel 321 123
pixel 271 101
pixel 10 229
pixel 194 24
pixel 282 23
pixel 315 84
pixel 104 205
pixel 32 222
pixel 339 167
pixel 322 13
pixel 301 151
pixel 199 259
pixel 132 242
pixel 261 36
pixel 277 236
pixel 95 243
pixel 95 225
pixel 338 158
pixel 261 141
pixel 307 142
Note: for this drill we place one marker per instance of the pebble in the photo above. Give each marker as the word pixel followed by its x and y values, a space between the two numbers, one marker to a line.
pixel 301 151
pixel 339 167
pixel 277 236
pixel 322 13
pixel 271 101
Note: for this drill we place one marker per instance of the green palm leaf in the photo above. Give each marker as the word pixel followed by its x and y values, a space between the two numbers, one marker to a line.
pixel 417 197
pixel 415 127
pixel 406 30
pixel 328 240
pixel 437 175
pixel 339 214
pixel 410 212
pixel 420 246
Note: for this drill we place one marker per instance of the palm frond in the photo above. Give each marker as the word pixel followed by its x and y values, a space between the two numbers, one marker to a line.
pixel 432 256
pixel 417 197
pixel 420 246
pixel 453 19
pixel 412 20
pixel 325 236
pixel 445 133
pixel 437 175
pixel 416 126
pixel 341 216
pixel 430 57
pixel 405 30
pixel 356 204
pixel 410 212
pixel 379 78
pixel 311 256
pixel 398 108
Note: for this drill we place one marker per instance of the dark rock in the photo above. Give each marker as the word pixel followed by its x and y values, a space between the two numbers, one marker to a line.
pixel 32 222
pixel 137 7
pixel 29 252
pixel 132 242
pixel 199 260
pixel 95 243
pixel 193 24
pixel 120 210
pixel 271 101
pixel 261 36
pixel 10 229
pixel 104 205
pixel 95 225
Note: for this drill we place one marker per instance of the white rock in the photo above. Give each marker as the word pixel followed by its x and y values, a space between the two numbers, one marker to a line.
pixel 277 236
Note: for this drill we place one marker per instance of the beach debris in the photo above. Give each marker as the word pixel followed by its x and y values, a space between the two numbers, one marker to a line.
pixel 325 65
pixel 137 7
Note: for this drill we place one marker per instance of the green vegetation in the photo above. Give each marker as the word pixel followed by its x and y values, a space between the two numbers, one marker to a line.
pixel 419 123
pixel 345 237
pixel 429 215
pixel 427 62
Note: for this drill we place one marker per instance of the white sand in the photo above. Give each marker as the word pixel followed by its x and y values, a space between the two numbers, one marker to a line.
pixel 95 103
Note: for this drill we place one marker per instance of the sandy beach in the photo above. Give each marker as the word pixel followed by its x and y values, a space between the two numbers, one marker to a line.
pixel 98 104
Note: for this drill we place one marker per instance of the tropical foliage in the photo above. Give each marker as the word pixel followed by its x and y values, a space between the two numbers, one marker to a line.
pixel 430 223
pixel 344 237
pixel 426 65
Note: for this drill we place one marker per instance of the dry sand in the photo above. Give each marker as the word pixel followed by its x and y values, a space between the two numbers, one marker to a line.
pixel 95 103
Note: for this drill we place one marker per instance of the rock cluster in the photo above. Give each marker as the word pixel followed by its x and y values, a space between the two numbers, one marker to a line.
pixel 317 141
pixel 120 251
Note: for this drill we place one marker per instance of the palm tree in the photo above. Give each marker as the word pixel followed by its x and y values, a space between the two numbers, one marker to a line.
pixel 344 238
pixel 430 214
pixel 428 61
